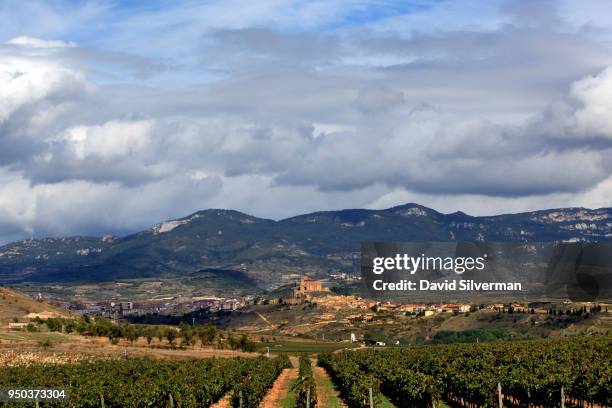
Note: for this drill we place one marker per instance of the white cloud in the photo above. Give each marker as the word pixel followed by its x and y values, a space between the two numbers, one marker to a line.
pixel 316 111
pixel 27 81
pixel 110 140
pixel 78 207
pixel 594 93
pixel 24 40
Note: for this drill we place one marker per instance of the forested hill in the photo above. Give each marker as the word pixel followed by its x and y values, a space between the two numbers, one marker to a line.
pixel 261 250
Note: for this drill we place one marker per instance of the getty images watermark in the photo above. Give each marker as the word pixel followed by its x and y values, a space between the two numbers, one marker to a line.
pixel 451 270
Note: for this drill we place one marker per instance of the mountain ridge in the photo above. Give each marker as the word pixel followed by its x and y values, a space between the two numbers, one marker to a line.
pixel 265 250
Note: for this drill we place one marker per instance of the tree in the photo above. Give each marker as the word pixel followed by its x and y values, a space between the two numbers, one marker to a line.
pixel 171 336
pixel 159 333
pixel 245 344
pixel 149 335
pixel 54 325
pixel 186 333
pixel 207 334
pixel 70 326
pixel 82 327
pixel 130 333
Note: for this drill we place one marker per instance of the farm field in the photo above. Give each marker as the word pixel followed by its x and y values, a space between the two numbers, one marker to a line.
pixel 304 346
pixel 220 383
pixel 454 375
pixel 75 346
pixel 152 383
pixel 281 394
pixel 529 372
pixel 457 375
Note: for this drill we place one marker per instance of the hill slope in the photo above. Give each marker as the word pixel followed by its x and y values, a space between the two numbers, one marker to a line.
pixel 14 304
pixel 260 251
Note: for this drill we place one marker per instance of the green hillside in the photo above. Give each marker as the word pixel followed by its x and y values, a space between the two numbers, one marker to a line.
pixel 260 251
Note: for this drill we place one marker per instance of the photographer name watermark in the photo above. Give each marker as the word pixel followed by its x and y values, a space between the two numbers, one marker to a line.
pixel 573 271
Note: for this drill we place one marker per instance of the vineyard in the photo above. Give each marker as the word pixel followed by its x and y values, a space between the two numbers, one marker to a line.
pixel 531 373
pixel 151 383
pixel 306 392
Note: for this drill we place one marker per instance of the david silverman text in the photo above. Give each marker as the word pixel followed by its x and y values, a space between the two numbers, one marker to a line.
pixel 453 285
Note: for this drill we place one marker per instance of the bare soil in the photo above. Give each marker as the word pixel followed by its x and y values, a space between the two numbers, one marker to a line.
pixel 327 395
pixel 224 402
pixel 278 392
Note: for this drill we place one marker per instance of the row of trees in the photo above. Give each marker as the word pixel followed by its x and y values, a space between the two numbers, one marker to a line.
pixel 583 311
pixel 209 335
pixel 185 335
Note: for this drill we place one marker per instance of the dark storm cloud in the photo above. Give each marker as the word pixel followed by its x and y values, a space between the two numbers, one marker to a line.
pixel 257 123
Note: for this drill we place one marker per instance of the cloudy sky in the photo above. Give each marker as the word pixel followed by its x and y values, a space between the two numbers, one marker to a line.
pixel 115 115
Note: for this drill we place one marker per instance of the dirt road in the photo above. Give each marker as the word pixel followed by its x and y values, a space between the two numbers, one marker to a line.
pixel 327 394
pixel 281 387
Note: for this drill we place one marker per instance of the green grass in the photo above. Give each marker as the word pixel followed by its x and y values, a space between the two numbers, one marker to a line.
pixel 302 347
pixel 329 390
pixel 289 401
pixel 385 403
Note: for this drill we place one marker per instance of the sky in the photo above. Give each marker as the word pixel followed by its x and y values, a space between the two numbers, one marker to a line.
pixel 116 115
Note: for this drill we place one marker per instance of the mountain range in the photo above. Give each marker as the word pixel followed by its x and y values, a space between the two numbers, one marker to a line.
pixel 260 252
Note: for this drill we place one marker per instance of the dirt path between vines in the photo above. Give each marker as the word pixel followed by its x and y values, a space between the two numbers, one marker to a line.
pixel 224 402
pixel 277 394
pixel 327 394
